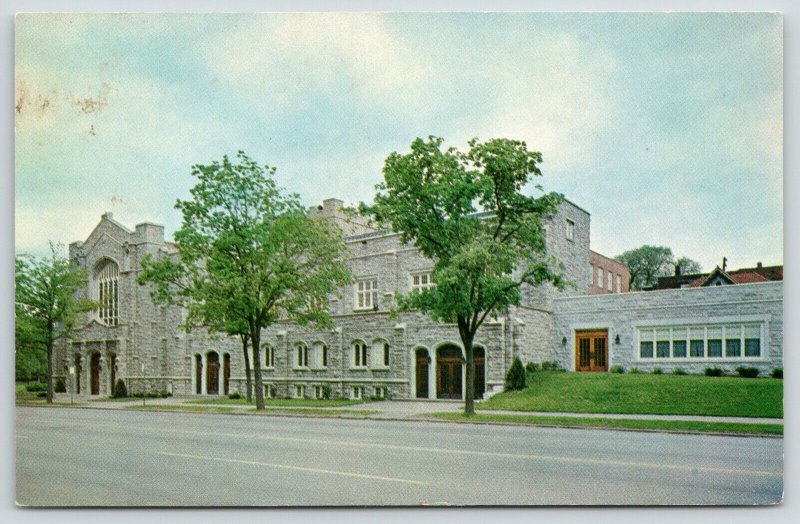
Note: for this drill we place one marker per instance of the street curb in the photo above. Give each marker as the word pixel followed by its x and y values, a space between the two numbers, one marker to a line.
pixel 348 416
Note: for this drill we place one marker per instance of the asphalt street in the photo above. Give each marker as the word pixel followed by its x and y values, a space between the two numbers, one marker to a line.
pixel 83 457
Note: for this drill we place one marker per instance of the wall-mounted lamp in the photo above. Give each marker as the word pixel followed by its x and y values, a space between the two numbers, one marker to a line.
pixel 616 339
pixel 564 341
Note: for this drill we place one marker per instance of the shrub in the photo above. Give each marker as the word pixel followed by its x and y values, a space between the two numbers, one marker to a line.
pixel 120 391
pixel 551 365
pixel 634 371
pixel 747 372
pixel 235 395
pixel 60 386
pixel 657 371
pixel 678 371
pixel 515 377
pixel 36 386
pixel 326 392
pixel 713 372
pixel 41 394
pixel 777 373
pixel 532 367
pixel 616 368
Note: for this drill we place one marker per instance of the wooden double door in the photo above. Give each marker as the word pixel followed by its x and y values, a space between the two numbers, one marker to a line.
pixel 591 350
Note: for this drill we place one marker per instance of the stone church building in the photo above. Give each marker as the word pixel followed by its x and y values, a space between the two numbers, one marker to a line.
pixel 372 354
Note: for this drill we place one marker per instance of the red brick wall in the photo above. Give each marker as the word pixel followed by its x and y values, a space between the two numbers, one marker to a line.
pixel 611 267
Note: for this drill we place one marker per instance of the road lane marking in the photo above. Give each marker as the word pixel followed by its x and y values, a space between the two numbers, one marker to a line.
pixel 296 468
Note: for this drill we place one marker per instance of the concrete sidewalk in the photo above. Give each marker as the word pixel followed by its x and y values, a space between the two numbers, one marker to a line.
pixel 404 409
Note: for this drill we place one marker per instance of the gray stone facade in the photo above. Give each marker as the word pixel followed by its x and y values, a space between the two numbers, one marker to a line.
pixel 630 317
pixel 150 351
pixel 407 355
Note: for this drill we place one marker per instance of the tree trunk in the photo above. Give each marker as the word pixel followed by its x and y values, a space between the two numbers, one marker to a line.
pixel 255 336
pixel 50 392
pixel 469 401
pixel 245 339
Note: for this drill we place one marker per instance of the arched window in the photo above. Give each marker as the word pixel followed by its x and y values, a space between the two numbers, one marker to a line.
pixel 359 354
pixel 320 355
pixel 269 356
pixel 380 354
pixel 301 355
pixel 108 292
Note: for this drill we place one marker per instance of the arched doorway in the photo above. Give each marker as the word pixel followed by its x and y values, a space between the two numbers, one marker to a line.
pixel 226 373
pixel 94 367
pixel 112 371
pixel 479 357
pixel 78 373
pixel 423 363
pixel 198 374
pixel 212 373
pixel 449 365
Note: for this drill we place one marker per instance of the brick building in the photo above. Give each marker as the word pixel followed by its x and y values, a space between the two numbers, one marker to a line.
pixel 607 275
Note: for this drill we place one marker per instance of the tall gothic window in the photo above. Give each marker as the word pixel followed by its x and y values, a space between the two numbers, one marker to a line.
pixel 108 293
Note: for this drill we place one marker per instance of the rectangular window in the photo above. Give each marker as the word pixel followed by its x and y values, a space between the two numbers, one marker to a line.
pixel 380 392
pixel 610 282
pixel 619 283
pixel 324 356
pixel 591 274
pixel 714 342
pixel 356 392
pixel 697 344
pixel 662 343
pixel 679 348
pixel 646 344
pixel 367 294
pixel 570 230
pixel 299 392
pixel 752 341
pixel 421 281
pixel 386 354
pixel 319 392
pixel 600 277
pixel 733 341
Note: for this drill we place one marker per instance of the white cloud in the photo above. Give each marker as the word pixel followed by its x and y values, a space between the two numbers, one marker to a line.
pixel 555 95
pixel 281 60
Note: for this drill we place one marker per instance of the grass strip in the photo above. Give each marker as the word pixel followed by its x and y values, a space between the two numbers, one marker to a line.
pixel 289 402
pixel 183 407
pixel 674 425
pixel 323 411
pixel 229 409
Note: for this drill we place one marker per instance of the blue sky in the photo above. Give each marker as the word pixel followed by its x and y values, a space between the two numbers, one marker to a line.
pixel 667 128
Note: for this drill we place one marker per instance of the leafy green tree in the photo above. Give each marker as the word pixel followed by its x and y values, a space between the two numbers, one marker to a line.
pixel 248 255
pixel 467 213
pixel 647 263
pixel 47 301
pixel 686 266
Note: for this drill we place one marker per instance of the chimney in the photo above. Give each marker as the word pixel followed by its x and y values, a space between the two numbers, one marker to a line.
pixel 758 265
pixel 724 263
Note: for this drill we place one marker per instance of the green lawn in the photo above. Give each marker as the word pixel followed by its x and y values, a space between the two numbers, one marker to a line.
pixel 321 403
pixel 644 393
pixel 675 425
